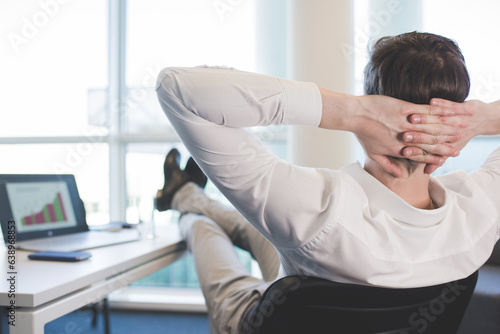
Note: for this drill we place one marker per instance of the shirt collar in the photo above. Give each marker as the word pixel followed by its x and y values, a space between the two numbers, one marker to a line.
pixel 381 198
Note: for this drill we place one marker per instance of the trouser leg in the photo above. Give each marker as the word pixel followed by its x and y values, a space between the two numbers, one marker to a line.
pixel 191 198
pixel 229 289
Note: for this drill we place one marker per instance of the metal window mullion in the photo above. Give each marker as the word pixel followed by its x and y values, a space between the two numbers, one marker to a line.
pixel 53 140
pixel 116 103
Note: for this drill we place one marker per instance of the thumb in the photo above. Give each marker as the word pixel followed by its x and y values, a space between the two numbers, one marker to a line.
pixel 386 164
pixel 429 169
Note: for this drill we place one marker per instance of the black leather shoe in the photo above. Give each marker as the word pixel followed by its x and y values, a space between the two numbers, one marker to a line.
pixel 175 178
pixel 195 174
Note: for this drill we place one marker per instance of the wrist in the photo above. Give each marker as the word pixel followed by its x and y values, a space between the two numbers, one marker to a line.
pixel 339 110
pixel 493 126
pixel 490 118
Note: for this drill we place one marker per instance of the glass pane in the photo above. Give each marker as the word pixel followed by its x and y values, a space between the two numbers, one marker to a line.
pixel 54 67
pixel 162 33
pixel 472 156
pixel 144 176
pixel 458 20
pixel 87 161
pixel 182 273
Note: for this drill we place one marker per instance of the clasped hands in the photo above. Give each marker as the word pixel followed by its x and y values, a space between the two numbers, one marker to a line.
pixel 424 133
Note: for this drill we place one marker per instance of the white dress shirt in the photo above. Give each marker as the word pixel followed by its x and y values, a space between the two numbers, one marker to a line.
pixel 343 225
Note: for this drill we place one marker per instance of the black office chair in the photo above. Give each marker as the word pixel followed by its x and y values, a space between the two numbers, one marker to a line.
pixel 309 305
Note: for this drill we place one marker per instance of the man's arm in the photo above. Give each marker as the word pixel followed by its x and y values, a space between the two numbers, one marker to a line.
pixel 210 109
pixel 379 121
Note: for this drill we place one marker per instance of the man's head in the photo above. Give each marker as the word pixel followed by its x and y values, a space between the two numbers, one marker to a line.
pixel 416 67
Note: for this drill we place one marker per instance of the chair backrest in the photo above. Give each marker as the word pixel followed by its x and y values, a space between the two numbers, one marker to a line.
pixel 303 304
pixel 495 256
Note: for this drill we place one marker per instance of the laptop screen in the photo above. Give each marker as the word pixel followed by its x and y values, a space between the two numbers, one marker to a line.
pixel 40 205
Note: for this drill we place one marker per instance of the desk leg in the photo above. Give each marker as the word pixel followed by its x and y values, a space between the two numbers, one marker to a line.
pixel 4 326
pixel 105 311
pixel 27 323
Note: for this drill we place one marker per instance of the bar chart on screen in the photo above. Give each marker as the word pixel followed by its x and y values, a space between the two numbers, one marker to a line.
pixel 51 212
pixel 35 205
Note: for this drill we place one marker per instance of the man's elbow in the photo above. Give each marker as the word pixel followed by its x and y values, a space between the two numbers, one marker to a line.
pixel 166 80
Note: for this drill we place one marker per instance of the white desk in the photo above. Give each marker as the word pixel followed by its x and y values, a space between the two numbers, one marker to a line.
pixel 47 290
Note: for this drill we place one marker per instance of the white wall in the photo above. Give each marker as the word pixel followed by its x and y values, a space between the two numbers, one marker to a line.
pixel 317 32
pixel 306 46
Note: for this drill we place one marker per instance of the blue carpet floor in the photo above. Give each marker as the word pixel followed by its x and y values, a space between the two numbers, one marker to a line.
pixel 131 322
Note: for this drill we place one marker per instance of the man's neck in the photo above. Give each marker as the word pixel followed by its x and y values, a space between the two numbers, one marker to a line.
pixel 412 188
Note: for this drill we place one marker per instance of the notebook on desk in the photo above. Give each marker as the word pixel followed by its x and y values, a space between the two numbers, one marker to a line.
pixel 45 212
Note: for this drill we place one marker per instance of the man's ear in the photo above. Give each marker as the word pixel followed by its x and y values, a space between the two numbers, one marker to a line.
pixel 387 165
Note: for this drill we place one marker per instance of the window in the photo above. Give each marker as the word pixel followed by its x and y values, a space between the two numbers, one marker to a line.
pixel 81 96
pixel 48 79
pixel 172 33
pixel 49 67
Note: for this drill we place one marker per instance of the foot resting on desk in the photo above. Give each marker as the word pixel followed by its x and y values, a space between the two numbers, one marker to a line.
pixel 175 178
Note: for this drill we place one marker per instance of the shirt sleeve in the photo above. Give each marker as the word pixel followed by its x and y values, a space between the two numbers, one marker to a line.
pixel 210 109
pixel 488 177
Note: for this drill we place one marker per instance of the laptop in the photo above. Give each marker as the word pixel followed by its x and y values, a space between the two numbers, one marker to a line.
pixel 49 215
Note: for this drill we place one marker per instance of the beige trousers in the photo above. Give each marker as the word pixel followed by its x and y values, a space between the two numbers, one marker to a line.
pixel 211 230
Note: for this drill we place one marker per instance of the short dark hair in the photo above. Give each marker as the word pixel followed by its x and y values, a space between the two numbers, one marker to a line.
pixel 416 67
